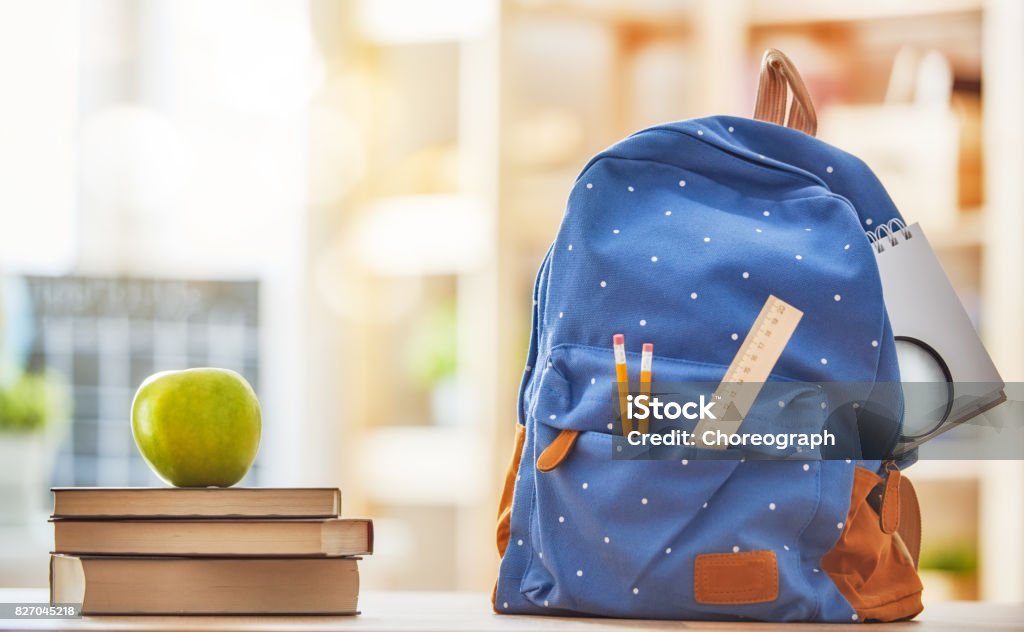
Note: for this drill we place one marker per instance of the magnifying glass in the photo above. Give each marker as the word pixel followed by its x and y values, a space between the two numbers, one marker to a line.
pixel 927 388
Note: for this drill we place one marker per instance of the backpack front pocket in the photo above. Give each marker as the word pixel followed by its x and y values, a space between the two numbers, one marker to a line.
pixel 870 564
pixel 621 537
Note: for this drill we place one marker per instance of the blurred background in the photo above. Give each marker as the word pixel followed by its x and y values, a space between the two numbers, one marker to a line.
pixel 347 201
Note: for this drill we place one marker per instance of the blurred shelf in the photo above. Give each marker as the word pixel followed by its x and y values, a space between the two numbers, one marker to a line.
pixel 421 235
pixel 663 17
pixel 424 465
pixel 423 22
pixel 968 232
pixel 680 16
pixel 938 471
pixel 803 12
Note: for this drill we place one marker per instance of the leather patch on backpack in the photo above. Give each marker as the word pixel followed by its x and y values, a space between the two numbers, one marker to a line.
pixel 736 578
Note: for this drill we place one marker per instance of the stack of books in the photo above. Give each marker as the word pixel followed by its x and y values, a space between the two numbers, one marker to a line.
pixel 206 551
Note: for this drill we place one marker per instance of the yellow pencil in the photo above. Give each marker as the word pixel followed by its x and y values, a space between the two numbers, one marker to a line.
pixel 645 382
pixel 622 376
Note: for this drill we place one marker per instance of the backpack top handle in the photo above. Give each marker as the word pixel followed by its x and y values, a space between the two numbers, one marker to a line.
pixel 779 77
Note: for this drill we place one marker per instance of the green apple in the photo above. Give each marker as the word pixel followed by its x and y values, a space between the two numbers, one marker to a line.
pixel 197 427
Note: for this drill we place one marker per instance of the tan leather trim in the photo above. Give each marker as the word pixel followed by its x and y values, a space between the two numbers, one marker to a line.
pixel 736 578
pixel 910 519
pixel 890 518
pixel 778 77
pixel 557 450
pixel 505 504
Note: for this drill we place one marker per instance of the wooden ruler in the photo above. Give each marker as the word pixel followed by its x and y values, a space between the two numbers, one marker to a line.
pixel 752 365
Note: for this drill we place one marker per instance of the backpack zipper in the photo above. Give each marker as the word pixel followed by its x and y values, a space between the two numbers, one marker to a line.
pixel 748 157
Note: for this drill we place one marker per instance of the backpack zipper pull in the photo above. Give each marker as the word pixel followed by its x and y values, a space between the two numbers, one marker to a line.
pixel 890 513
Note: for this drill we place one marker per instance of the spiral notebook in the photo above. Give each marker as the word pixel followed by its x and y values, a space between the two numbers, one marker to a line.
pixel 948 377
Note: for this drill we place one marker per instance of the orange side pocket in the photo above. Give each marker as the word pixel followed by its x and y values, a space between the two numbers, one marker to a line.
pixel 870 567
pixel 505 505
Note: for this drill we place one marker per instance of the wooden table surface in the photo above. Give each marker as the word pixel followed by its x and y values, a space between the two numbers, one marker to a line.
pixel 457 612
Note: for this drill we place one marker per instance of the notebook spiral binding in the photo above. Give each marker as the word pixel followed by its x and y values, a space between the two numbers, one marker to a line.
pixel 889 231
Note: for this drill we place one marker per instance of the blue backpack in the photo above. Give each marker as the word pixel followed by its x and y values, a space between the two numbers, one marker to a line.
pixel 676 236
